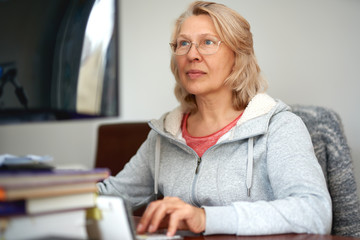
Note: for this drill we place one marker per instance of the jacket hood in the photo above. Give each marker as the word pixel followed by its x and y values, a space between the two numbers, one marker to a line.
pixel 261 105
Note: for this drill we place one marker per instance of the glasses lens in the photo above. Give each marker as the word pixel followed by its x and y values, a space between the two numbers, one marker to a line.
pixel 182 47
pixel 206 46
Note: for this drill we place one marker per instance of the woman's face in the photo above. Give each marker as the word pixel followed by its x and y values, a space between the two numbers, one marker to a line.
pixel 203 75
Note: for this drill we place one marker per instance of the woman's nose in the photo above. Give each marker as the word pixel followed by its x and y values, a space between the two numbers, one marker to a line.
pixel 193 53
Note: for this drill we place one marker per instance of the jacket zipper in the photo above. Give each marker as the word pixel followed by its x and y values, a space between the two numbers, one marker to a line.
pixel 193 198
pixel 197 166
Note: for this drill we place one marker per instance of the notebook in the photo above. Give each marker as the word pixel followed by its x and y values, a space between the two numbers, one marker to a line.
pixel 116 222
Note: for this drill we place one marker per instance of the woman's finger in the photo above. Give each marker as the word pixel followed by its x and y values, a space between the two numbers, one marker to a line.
pixel 193 217
pixel 156 212
pixel 146 217
pixel 162 209
pixel 173 223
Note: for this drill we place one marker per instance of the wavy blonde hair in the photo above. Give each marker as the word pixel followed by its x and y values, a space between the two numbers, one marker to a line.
pixel 245 79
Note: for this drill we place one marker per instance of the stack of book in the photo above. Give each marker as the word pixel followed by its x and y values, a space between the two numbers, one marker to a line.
pixel 47 203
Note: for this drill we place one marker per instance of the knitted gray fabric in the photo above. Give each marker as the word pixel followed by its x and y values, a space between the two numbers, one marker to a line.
pixel 334 156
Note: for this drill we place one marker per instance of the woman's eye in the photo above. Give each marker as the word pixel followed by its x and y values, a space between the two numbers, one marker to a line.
pixel 183 43
pixel 209 42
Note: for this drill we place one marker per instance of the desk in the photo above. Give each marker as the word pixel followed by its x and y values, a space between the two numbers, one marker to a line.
pixel 272 237
pixel 267 237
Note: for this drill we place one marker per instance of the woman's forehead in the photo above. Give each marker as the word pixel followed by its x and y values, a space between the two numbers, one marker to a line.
pixel 197 26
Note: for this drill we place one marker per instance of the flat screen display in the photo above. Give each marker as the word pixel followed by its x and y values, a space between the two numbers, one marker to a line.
pixel 58 60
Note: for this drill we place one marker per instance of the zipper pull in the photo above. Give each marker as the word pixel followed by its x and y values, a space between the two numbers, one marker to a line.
pixel 197 166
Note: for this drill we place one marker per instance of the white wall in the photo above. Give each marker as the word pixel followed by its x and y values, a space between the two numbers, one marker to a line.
pixel 308 50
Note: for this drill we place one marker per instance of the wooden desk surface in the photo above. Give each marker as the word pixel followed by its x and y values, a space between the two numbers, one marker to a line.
pixel 272 237
pixel 267 237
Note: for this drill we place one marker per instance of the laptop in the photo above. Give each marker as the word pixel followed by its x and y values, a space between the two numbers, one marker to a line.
pixel 114 220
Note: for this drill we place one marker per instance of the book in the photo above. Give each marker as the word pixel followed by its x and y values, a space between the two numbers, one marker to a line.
pixel 28 178
pixel 47 204
pixel 17 193
pixel 67 224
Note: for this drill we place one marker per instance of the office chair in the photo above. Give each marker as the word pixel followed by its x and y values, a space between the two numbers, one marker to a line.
pixel 333 154
pixel 117 143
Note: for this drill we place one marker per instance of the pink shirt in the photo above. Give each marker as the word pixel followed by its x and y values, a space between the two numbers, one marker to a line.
pixel 201 144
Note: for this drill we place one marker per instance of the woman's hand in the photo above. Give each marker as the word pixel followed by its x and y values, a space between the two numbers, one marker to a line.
pixel 173 213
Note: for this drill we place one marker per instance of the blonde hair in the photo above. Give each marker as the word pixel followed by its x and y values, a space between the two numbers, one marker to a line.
pixel 245 79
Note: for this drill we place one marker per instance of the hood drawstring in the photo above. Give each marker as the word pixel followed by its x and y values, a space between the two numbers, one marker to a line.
pixel 250 163
pixel 157 166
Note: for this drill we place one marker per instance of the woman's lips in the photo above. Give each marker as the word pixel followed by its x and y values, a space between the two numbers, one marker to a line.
pixel 193 74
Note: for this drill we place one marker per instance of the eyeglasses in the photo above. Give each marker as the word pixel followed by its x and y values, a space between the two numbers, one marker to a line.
pixel 206 46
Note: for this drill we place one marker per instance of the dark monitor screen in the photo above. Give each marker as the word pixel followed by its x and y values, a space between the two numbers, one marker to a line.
pixel 58 60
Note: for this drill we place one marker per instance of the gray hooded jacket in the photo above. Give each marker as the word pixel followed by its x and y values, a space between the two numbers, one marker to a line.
pixel 261 177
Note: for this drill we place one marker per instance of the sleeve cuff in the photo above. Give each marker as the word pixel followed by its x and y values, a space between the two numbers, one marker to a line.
pixel 221 220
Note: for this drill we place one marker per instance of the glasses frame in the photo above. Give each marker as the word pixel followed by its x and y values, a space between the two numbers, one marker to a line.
pixel 174 45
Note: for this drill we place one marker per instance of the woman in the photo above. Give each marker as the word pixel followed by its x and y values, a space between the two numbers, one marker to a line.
pixel 230 159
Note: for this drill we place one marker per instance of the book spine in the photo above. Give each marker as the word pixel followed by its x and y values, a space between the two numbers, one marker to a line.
pixel 12 208
pixel 67 225
pixel 48 191
pixel 18 180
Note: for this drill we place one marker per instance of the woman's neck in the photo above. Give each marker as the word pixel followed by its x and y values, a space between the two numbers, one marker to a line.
pixel 213 114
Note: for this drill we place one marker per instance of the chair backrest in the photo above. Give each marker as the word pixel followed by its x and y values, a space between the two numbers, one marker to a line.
pixel 118 142
pixel 334 156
